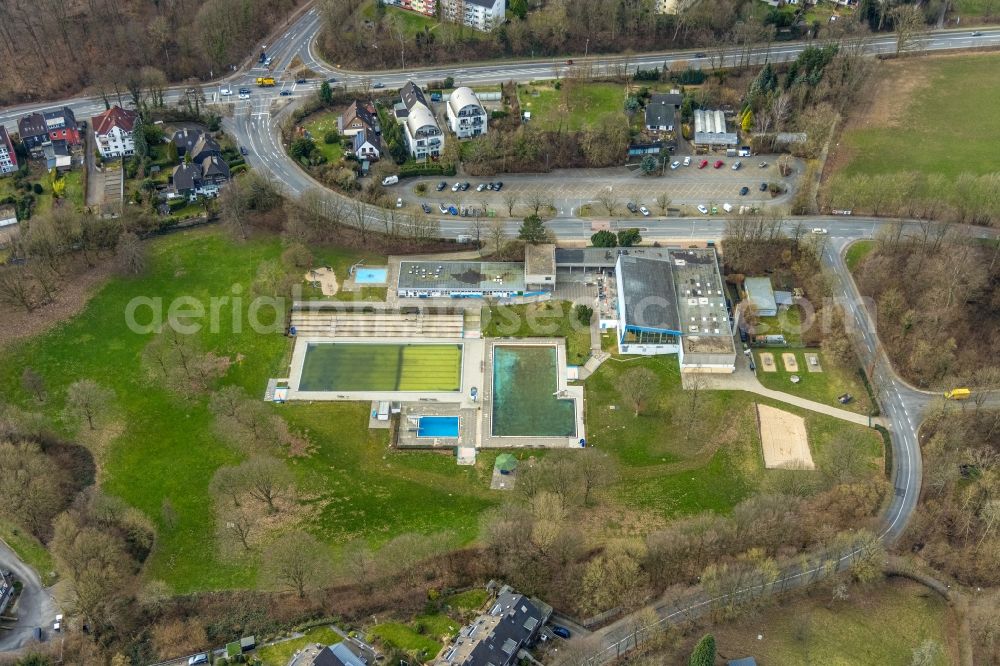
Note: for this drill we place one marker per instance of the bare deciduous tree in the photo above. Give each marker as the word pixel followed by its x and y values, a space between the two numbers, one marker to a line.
pixel 296 560
pixel 87 402
pixel 637 386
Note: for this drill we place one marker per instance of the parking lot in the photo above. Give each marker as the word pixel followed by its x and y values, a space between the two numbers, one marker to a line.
pixel 572 189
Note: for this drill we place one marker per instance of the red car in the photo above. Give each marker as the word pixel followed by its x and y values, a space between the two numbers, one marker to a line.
pixel 703 164
pixel 719 164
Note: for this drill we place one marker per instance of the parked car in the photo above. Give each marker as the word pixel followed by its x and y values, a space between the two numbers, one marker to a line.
pixel 443 209
pixel 480 187
pixel 57 625
pixel 225 91
pixel 819 230
pixel 497 186
pixel 702 164
pixel 763 187
pixel 378 84
pixel 390 180
pixel 569 62
pixel 399 202
pixel 453 210
pixel 644 211
pixel 687 161
pixel 736 165
pixel 300 81
pixel 244 151
pixel 443 184
pixel 744 190
pixel 285 93
pixel 719 164
pixel 702 209
pixel 762 165
pixel 456 187
pixel 427 209
pixel 465 186
pixel 490 186
pixel 561 632
pixel 845 398
pixel 201 658
pixel 632 208
pixel 674 164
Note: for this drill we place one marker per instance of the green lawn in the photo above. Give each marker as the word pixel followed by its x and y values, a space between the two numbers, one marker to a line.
pixel 671 466
pixel 548 319
pixel 576 106
pixel 857 252
pixel 788 322
pixel 984 8
pixel 381 367
pixel 318 125
pixel 29 549
pixel 168 447
pixel 876 625
pixel 341 260
pixel 280 654
pixel 822 387
pixel 470 600
pixel 941 130
pixel 423 636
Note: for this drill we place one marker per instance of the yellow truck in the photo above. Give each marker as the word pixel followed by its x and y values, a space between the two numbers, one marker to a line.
pixel 265 81
pixel 958 394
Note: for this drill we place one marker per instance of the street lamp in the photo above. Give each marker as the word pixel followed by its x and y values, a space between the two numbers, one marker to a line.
pixel 586 48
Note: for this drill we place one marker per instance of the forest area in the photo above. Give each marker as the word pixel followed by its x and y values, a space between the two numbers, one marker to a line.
pixel 54 48
pixel 942 323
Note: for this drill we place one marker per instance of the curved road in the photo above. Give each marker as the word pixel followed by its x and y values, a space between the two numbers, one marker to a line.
pixel 35 607
pixel 255 126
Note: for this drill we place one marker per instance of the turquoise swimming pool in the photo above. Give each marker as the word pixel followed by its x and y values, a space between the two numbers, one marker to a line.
pixel 371 275
pixel 525 381
pixel 437 426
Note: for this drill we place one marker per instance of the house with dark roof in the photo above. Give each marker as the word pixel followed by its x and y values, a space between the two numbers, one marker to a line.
pixel 196 143
pixel 497 637
pixel 8 158
pixel 33 132
pixel 357 117
pixel 661 111
pixel 367 145
pixel 191 179
pixel 113 131
pixel 344 654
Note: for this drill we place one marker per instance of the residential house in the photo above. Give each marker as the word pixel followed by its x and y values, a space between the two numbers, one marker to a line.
pixel 423 135
pixel 33 132
pixel 197 144
pixel 344 653
pixel 466 115
pixel 61 126
pixel 498 636
pixel 671 6
pixel 482 15
pixel 191 179
pixel 113 131
pixel 356 117
pixel 8 158
pixel 425 7
pixel 661 111
pixel 367 145
pixel 57 155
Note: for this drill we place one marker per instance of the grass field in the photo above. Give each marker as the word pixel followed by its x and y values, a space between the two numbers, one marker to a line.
pixel 374 367
pixel 670 467
pixel 822 387
pixel 857 252
pixel 929 118
pixel 470 600
pixel 876 625
pixel 576 106
pixel 280 654
pixel 168 448
pixel 549 319
pixel 423 636
pixel 318 125
pixel 787 322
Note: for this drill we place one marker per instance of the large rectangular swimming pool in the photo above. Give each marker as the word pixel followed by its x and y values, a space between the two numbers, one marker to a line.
pixel 525 381
pixel 437 426
pixel 348 366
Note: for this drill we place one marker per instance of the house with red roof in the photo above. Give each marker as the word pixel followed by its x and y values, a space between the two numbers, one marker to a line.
pixel 113 131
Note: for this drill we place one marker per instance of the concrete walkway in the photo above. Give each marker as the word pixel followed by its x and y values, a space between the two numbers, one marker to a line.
pixel 745 380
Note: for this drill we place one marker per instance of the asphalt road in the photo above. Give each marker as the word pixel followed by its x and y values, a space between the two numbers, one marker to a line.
pixel 35 608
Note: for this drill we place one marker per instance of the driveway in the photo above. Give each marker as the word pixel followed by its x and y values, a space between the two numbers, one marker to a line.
pixel 35 607
pixel 570 189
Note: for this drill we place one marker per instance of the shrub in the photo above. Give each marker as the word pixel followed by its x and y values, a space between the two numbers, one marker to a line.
pixel 239 168
pixel 604 238
pixel 37 188
pixel 584 313
pixel 331 137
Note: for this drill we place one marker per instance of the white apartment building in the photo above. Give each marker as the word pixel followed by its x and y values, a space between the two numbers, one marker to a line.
pixel 479 14
pixel 113 131
pixel 423 135
pixel 466 115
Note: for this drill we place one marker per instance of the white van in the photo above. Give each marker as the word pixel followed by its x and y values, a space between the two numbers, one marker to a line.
pixel 727 207
pixel 390 180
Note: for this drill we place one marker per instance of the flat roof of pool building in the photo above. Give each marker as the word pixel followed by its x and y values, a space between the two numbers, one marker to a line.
pixel 461 275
